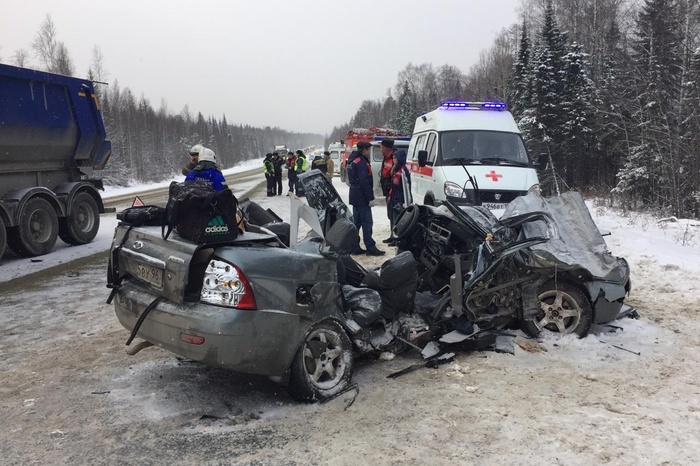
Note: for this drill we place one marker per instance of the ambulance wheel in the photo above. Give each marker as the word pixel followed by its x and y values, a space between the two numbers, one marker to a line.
pixel 83 222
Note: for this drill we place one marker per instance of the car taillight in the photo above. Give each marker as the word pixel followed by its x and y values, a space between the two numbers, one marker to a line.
pixel 226 285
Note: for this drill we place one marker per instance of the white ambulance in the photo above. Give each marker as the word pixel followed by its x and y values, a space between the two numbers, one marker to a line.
pixel 460 140
pixel 336 149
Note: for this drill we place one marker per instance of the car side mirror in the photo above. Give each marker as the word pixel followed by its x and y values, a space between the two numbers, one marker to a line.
pixel 422 158
pixel 542 161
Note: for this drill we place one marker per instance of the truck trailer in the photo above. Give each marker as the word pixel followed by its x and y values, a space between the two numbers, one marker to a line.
pixel 52 138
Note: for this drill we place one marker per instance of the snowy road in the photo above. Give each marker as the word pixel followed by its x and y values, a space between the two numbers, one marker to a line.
pixel 71 395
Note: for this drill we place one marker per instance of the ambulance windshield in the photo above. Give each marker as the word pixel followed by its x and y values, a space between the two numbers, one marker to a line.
pixel 483 147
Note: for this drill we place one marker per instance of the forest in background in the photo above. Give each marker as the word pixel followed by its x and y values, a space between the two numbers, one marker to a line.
pixel 610 89
pixel 151 144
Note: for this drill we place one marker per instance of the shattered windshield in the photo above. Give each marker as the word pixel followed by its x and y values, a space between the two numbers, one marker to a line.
pixel 481 147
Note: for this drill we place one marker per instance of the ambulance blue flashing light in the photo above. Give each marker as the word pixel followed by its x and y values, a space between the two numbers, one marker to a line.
pixel 448 104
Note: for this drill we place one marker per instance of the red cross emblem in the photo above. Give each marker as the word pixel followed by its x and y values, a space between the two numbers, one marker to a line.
pixel 493 175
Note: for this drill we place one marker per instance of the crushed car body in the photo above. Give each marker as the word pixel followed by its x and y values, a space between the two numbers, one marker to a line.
pixel 299 311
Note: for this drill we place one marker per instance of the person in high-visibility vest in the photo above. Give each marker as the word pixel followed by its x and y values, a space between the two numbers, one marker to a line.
pixel 269 169
pixel 301 167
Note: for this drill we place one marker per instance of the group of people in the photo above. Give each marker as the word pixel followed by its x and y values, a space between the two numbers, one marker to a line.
pixel 272 166
pixel 394 176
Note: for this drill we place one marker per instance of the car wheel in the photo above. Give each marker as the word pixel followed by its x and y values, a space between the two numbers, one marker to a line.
pixel 81 226
pixel 564 309
pixel 428 200
pixel 3 237
pixel 37 230
pixel 323 365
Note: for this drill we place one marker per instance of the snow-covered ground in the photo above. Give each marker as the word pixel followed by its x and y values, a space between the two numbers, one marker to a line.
pixel 632 396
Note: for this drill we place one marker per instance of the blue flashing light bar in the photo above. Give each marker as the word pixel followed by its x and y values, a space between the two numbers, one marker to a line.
pixel 478 105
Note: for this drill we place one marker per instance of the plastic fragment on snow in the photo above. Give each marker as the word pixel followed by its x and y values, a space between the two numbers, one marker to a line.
pixel 430 350
pixel 456 336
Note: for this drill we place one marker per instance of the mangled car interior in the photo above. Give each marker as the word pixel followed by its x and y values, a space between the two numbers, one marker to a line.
pixel 300 311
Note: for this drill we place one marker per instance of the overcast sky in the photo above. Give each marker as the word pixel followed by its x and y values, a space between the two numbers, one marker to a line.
pixel 302 65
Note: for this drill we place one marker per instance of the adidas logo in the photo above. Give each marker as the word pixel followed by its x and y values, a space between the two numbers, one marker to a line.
pixel 216 226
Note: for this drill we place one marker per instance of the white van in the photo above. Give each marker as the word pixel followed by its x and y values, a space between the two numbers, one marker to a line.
pixel 463 139
pixel 336 149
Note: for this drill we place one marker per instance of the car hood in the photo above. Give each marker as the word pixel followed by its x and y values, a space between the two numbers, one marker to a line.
pixel 575 241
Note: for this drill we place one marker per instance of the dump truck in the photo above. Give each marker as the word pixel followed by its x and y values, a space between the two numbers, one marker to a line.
pixel 52 139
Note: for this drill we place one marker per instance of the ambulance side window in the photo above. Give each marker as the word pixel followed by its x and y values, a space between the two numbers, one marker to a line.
pixel 431 147
pixel 420 143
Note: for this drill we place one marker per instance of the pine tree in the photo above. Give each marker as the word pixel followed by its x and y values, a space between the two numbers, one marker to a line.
pixel 520 98
pixel 651 172
pixel 407 113
pixel 578 111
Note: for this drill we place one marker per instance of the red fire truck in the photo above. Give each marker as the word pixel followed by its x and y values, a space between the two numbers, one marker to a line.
pixel 356 135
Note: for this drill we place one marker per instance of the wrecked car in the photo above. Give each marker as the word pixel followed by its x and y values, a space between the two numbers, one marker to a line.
pixel 299 311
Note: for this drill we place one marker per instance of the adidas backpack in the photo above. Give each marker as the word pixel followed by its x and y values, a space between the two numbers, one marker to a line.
pixel 199 213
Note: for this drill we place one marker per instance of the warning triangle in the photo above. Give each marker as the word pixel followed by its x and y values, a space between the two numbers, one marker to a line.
pixel 137 202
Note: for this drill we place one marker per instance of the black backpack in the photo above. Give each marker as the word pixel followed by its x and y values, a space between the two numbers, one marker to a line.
pixel 201 214
pixel 146 215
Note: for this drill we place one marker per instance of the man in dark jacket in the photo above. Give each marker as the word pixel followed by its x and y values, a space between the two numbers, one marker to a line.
pixel 279 163
pixel 291 171
pixel 361 194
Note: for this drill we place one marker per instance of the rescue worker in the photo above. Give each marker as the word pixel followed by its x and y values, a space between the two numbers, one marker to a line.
pixel 361 194
pixel 291 171
pixel 194 159
pixel 400 179
pixel 329 165
pixel 279 163
pixel 269 169
pixel 301 167
pixel 206 170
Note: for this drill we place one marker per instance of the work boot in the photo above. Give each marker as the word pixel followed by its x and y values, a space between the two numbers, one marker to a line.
pixel 390 239
pixel 358 251
pixel 375 252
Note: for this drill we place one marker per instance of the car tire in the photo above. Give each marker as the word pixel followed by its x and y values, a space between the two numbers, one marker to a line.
pixel 3 237
pixel 37 229
pixel 323 365
pixel 564 309
pixel 83 223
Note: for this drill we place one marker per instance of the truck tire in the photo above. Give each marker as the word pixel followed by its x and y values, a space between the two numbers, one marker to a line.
pixel 3 237
pixel 81 226
pixel 37 229
pixel 342 174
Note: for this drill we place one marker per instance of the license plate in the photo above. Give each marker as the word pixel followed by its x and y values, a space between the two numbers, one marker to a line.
pixel 495 205
pixel 148 274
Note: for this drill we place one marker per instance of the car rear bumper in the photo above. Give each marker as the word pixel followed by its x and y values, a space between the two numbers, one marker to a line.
pixel 256 342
